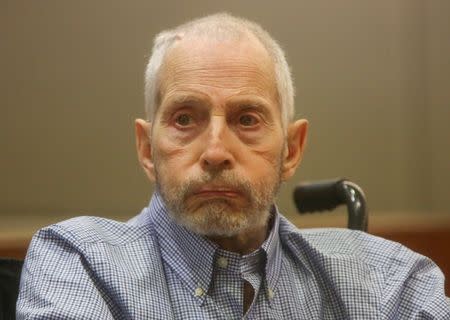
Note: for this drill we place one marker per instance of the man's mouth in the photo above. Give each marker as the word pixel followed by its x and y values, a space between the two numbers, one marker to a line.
pixel 217 192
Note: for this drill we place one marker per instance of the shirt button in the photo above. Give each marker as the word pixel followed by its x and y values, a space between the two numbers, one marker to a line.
pixel 199 292
pixel 270 293
pixel 222 262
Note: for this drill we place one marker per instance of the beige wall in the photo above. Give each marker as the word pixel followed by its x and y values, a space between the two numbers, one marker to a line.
pixel 371 76
pixel 438 102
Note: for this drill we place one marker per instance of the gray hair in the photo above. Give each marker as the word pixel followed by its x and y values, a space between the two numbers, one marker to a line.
pixel 219 26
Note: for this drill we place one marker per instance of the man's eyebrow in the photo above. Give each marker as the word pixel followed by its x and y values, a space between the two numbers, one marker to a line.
pixel 186 100
pixel 251 104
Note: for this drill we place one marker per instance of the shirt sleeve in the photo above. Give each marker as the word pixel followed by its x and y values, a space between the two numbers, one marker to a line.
pixel 55 283
pixel 416 289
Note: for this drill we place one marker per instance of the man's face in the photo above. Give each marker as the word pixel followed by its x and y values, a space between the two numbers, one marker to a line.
pixel 216 140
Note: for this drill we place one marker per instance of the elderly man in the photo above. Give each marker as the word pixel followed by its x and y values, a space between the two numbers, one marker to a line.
pixel 218 141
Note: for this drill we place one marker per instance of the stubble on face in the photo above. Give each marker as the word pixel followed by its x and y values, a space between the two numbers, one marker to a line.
pixel 219 217
pixel 223 74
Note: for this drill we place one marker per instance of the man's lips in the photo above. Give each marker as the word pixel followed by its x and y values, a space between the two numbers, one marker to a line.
pixel 217 192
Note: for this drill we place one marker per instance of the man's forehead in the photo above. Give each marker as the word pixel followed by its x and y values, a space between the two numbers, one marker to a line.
pixel 228 63
pixel 236 47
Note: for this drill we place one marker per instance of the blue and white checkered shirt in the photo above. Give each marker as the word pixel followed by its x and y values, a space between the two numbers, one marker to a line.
pixel 151 268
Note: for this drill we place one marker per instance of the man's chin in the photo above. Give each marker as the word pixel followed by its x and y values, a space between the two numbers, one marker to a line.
pixel 215 219
pixel 195 205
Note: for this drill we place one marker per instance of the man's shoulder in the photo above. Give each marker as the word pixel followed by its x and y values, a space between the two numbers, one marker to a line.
pixel 339 244
pixel 86 261
pixel 86 230
pixel 364 267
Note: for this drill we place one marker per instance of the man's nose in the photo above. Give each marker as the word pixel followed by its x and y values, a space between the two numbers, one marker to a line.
pixel 217 153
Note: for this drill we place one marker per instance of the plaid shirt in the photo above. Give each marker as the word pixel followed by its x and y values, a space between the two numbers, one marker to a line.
pixel 151 268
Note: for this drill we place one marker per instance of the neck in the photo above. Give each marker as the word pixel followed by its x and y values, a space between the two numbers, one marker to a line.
pixel 243 243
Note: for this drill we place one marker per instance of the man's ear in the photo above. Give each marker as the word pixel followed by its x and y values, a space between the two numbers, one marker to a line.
pixel 143 131
pixel 295 145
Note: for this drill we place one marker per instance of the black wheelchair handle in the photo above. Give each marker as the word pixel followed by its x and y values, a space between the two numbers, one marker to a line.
pixel 328 194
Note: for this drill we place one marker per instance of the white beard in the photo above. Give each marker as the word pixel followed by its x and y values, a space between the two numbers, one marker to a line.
pixel 220 217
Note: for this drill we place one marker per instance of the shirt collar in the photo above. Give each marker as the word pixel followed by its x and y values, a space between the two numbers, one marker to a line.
pixel 192 256
pixel 272 248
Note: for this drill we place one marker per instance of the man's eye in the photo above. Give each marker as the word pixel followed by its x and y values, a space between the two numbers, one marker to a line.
pixel 183 120
pixel 247 120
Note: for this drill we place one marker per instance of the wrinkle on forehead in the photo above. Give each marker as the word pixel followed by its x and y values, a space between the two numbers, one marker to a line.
pixel 240 66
